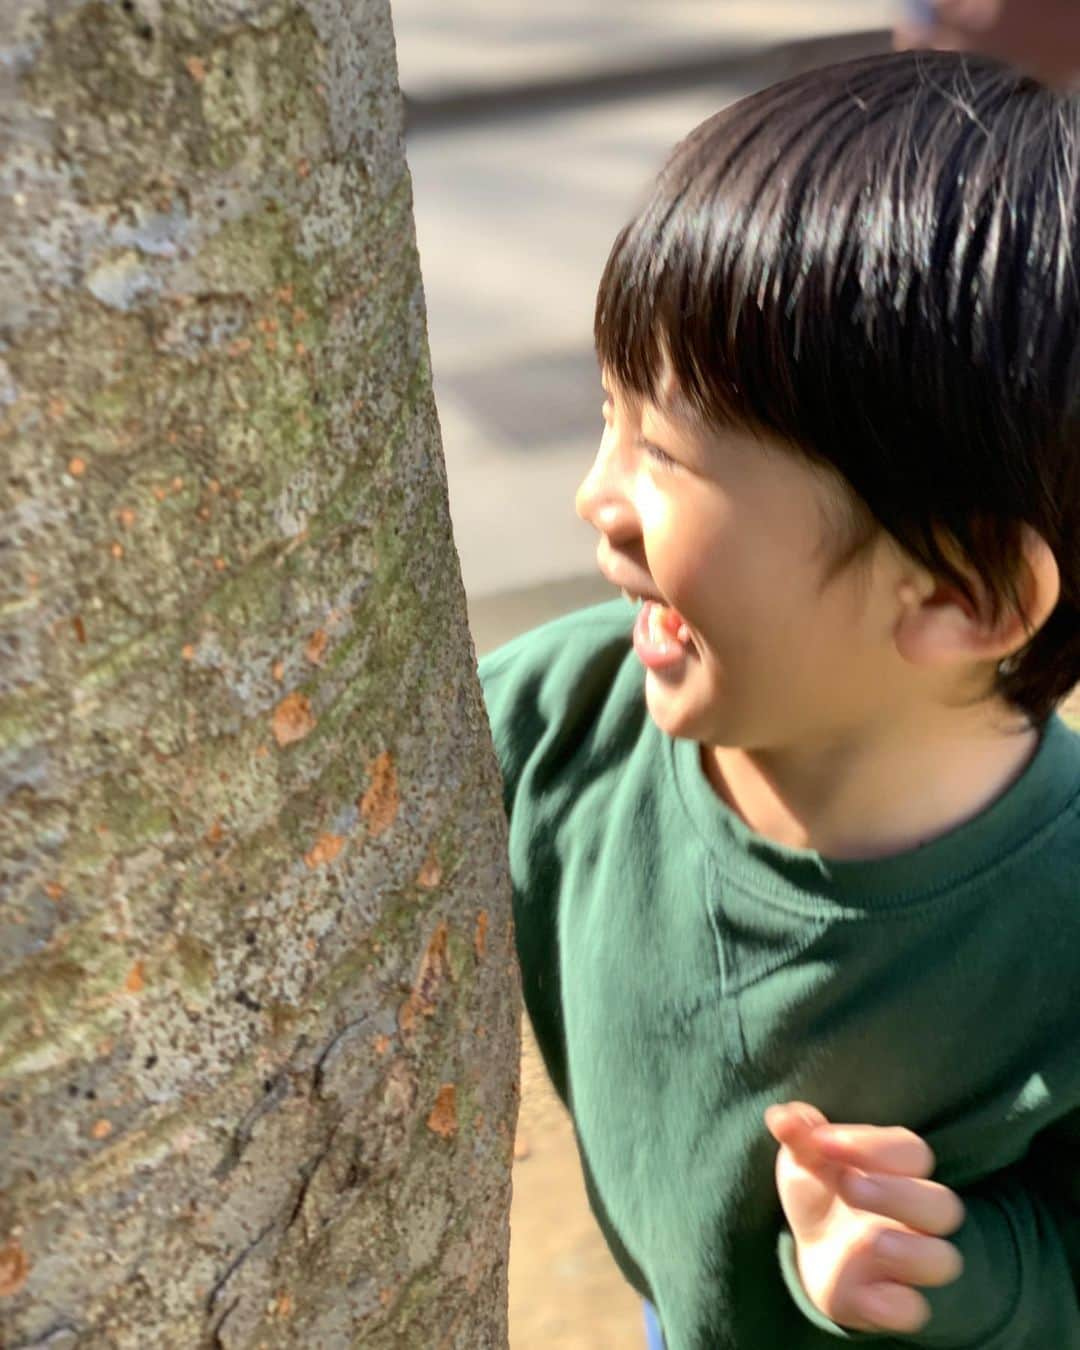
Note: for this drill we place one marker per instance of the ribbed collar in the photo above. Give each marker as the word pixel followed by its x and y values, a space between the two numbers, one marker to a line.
pixel 1042 800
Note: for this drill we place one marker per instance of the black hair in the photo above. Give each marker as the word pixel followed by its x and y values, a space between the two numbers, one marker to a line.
pixel 877 263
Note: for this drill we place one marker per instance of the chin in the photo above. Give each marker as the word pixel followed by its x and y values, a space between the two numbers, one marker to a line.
pixel 675 714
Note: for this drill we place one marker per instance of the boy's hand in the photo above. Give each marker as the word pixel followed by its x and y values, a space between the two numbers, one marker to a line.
pixel 1040 36
pixel 868 1224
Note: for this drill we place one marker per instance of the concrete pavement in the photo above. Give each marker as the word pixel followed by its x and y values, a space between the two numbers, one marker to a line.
pixel 487 44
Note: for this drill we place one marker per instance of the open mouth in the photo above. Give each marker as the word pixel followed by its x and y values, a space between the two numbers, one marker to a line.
pixel 663 623
pixel 662 640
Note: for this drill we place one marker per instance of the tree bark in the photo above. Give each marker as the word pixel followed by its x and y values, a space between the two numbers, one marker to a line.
pixel 258 1007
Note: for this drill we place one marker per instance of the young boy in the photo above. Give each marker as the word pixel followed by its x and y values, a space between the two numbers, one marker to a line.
pixel 795 832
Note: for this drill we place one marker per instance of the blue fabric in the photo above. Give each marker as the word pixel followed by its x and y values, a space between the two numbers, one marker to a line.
pixel 654 1337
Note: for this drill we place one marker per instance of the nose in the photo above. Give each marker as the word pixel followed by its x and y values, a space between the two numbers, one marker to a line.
pixel 602 500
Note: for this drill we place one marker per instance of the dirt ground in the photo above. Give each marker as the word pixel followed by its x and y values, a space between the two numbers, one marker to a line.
pixel 565 1291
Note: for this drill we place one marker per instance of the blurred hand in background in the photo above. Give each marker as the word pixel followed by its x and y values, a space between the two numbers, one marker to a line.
pixel 1040 36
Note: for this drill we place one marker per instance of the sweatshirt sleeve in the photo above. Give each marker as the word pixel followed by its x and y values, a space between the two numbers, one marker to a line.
pixel 542 691
pixel 1021 1247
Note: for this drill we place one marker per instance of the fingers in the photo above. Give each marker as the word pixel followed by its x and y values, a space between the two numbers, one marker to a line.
pixel 885 1298
pixel 876 1148
pixel 869 1148
pixel 912 1258
pixel 889 1307
pixel 926 1206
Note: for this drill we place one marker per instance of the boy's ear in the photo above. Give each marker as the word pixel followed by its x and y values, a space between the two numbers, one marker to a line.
pixel 938 626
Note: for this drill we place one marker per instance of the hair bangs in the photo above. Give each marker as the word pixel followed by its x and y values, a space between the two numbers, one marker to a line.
pixel 661 305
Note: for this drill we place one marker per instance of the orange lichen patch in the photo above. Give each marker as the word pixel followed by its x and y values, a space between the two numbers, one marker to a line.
pixel 379 804
pixel 425 991
pixel 324 850
pixel 55 409
pixel 79 627
pixel 177 484
pixel 117 549
pixel 270 343
pixel 285 294
pixel 239 346
pixel 284 1305
pixel 443 1118
pixel 430 873
pixel 299 315
pixel 316 647
pixel 386 1297
pixel 293 719
pixel 220 564
pixel 187 651
pixel 160 493
pixel 215 834
pixel 480 937
pixel 76 466
pixel 262 752
pixel 14 1268
pixel 136 980
pixel 101 1129
pixel 278 671
pixel 196 68
pixel 381 1045
pixel 54 890
pixel 126 517
pixel 214 486
pixel 268 324
pixel 303 168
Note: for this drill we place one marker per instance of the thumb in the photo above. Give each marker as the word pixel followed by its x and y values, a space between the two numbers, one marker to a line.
pixel 806 1180
pixel 793 1124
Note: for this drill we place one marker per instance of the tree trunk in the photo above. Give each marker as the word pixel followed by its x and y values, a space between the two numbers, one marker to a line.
pixel 258 1039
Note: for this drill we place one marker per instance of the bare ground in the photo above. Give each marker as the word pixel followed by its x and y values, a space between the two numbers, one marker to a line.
pixel 565 1291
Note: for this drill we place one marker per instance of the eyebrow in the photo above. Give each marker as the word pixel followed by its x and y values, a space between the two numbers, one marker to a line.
pixel 674 407
pixel 677 407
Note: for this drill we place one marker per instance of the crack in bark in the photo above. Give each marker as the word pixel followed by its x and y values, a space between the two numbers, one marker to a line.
pixel 230 1270
pixel 241 1136
pixel 51 1337
pixel 216 1342
pixel 307 1176
pixel 317 1075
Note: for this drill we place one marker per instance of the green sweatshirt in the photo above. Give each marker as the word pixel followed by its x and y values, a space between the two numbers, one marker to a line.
pixel 682 972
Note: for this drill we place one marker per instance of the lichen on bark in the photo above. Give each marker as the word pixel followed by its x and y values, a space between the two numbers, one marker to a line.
pixel 245 774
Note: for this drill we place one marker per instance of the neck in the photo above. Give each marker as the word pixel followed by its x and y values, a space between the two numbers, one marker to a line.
pixel 872 796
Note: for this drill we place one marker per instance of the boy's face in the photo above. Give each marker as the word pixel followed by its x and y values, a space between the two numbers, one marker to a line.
pixel 727 530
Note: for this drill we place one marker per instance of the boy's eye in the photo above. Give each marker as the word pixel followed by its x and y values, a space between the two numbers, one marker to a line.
pixel 660 456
